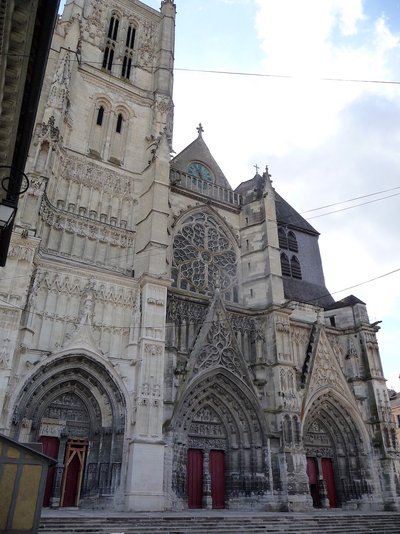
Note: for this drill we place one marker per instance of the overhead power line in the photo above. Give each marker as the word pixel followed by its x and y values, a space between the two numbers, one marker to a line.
pixel 352 199
pixel 355 206
pixel 232 72
pixel 289 76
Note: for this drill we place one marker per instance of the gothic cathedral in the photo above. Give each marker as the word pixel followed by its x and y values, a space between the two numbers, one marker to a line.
pixel 169 340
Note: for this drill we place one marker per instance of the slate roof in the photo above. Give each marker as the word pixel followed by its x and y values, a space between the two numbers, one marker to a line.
pixel 288 216
pixel 351 300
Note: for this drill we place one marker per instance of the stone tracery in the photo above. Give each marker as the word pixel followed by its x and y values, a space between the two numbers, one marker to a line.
pixel 204 257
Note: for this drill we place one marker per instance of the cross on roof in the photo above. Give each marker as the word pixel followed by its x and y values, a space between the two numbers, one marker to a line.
pixel 200 129
pixel 257 167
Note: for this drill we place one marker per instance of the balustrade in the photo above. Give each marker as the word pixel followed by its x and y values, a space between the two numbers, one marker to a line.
pixel 203 187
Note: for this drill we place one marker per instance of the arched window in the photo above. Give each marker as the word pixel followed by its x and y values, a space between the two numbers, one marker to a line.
pixel 130 37
pixel 295 268
pixel 120 120
pixel 127 60
pixel 100 116
pixel 113 28
pixel 126 67
pixel 292 242
pixel 119 136
pixel 283 242
pixel 111 43
pixel 98 128
pixel 285 265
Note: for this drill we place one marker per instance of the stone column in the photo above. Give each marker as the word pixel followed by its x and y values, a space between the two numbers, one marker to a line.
pixel 146 452
pixel 207 499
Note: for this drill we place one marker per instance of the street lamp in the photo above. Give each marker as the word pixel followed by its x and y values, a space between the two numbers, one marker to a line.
pixel 7 214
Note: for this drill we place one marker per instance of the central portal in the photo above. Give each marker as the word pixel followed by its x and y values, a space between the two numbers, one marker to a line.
pixel 206 478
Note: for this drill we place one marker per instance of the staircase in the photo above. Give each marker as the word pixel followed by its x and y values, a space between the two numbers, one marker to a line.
pixel 220 522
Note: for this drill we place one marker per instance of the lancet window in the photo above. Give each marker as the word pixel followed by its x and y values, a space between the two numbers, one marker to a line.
pixel 111 43
pixel 119 49
pixel 128 53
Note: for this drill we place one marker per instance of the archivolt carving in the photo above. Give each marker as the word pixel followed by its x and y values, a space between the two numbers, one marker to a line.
pixel 75 373
pixel 328 417
pixel 218 414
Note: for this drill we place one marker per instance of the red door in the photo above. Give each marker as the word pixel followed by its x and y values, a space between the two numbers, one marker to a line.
pixel 73 471
pixel 217 475
pixel 195 478
pixel 312 472
pixel 71 482
pixel 50 448
pixel 327 473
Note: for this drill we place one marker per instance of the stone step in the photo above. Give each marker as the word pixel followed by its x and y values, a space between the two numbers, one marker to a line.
pixel 388 523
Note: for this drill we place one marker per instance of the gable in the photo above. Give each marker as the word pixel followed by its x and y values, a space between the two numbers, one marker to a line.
pixel 198 152
pixel 324 371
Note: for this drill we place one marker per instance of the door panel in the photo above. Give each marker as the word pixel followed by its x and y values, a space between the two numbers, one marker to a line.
pixel 217 474
pixel 73 471
pixel 328 476
pixel 195 478
pixel 50 448
pixel 71 482
pixel 312 472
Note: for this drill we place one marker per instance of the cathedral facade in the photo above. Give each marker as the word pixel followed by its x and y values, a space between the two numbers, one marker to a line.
pixel 169 340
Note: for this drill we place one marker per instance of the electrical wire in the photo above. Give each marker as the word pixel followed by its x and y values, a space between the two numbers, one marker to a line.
pixel 231 72
pixel 351 200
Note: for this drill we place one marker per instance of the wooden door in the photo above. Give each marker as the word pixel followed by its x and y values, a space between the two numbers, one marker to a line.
pixel 73 471
pixel 328 476
pixel 312 472
pixel 50 448
pixel 195 478
pixel 217 475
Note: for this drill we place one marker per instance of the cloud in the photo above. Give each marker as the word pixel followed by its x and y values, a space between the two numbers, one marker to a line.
pixel 324 141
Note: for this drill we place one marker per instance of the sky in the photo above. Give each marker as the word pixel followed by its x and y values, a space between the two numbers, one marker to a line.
pixel 325 142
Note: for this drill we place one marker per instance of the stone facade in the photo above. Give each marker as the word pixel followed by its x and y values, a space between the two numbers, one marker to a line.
pixel 170 341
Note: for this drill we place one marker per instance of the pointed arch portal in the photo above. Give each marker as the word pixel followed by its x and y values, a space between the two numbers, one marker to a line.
pixel 219 450
pixel 336 459
pixel 77 411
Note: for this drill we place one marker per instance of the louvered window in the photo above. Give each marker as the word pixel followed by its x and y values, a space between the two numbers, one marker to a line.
pixel 292 242
pixel 285 264
pixel 295 268
pixel 283 242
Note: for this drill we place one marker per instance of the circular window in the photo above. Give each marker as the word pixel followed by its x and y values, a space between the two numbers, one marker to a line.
pixel 198 170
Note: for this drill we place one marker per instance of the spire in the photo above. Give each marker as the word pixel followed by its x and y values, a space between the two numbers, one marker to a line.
pixel 267 177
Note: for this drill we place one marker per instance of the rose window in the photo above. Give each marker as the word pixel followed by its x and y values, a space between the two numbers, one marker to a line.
pixel 204 258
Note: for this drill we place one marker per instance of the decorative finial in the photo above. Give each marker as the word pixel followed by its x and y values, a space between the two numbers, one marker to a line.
pixel 256 167
pixel 200 129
